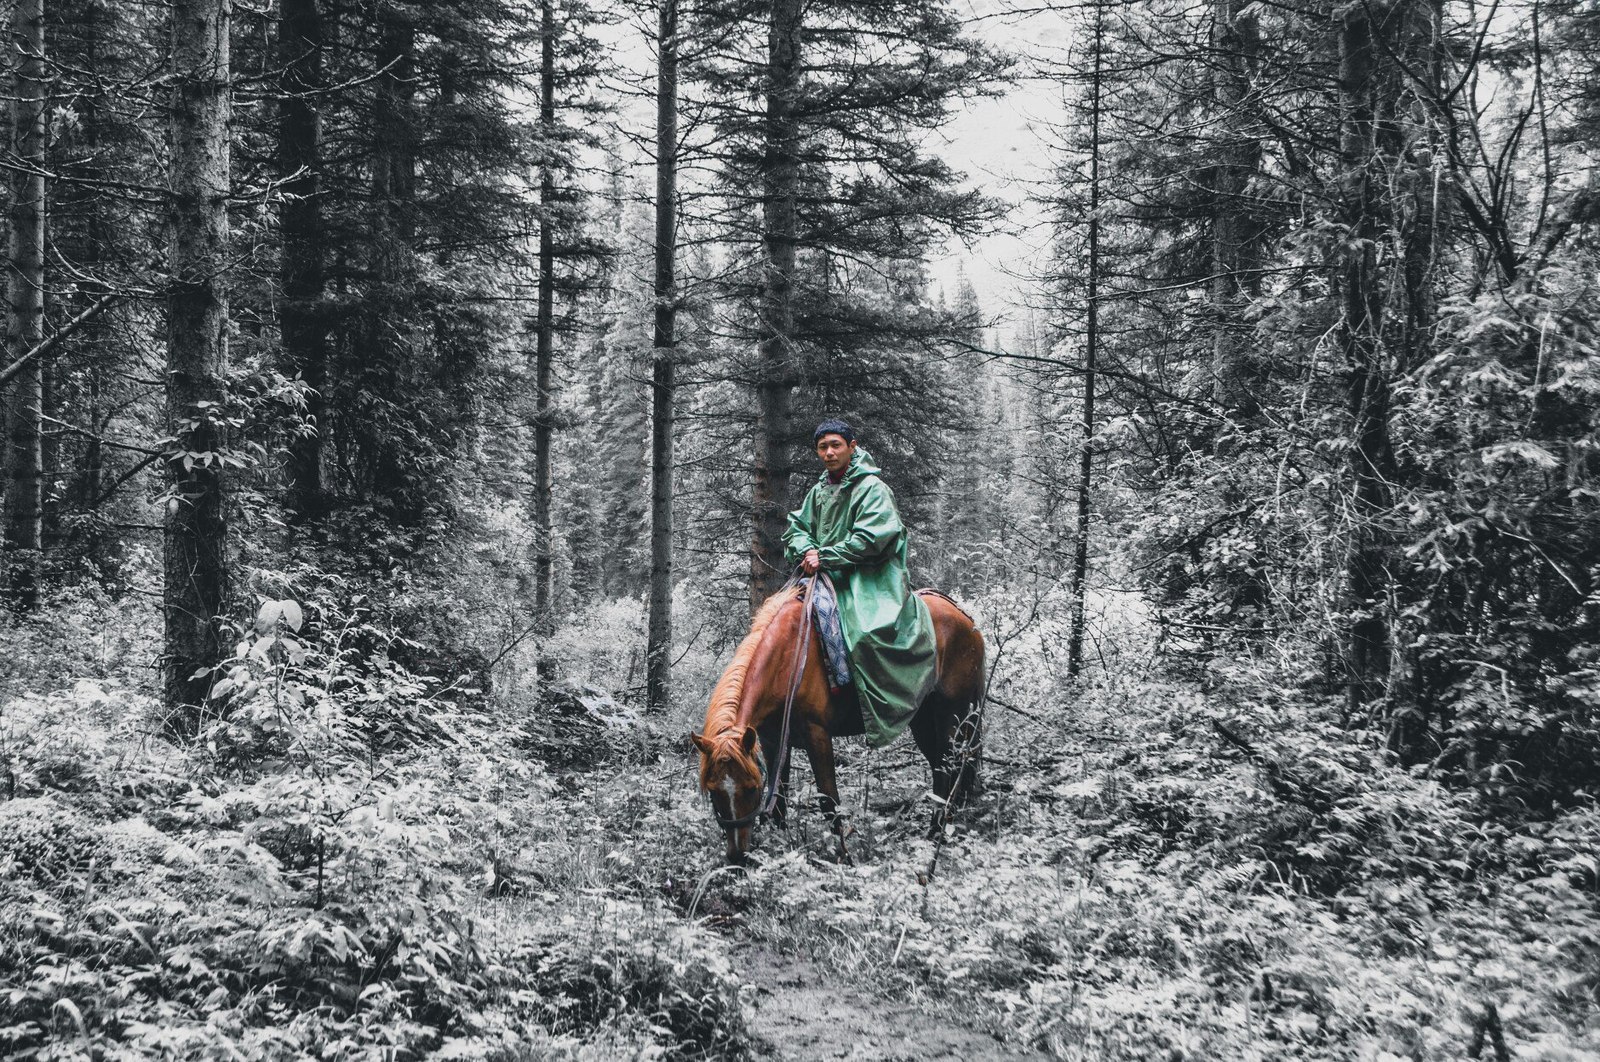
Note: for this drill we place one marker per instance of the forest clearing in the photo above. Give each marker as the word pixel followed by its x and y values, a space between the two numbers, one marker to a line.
pixel 455 453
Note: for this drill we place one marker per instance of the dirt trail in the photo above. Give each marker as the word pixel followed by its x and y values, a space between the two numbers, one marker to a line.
pixel 802 1013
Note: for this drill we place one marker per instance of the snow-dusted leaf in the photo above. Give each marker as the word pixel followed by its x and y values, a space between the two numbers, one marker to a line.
pixel 1522 450
pixel 267 616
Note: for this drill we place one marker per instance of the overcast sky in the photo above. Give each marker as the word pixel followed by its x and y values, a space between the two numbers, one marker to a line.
pixel 1001 144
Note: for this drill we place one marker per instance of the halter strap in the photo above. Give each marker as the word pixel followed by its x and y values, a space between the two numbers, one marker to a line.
pixel 750 819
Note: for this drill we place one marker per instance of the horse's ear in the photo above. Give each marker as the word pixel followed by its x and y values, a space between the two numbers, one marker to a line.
pixel 701 743
pixel 748 739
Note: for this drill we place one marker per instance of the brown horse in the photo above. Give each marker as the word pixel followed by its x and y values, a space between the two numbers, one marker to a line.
pixel 739 744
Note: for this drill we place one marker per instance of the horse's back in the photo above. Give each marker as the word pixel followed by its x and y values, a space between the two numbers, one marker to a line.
pixel 960 646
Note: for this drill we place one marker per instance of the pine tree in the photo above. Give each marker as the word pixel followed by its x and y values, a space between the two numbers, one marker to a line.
pixel 829 253
pixel 663 361
pixel 964 524
pixel 302 269
pixel 1091 352
pixel 415 156
pixel 196 587
pixel 23 464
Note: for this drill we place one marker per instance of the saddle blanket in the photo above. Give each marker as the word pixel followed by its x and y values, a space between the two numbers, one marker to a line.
pixel 825 614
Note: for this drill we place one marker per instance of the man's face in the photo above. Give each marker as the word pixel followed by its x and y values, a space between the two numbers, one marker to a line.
pixel 835 452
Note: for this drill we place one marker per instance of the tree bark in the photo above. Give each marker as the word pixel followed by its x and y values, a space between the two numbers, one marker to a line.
pixel 195 536
pixel 24 459
pixel 1234 375
pixel 394 167
pixel 301 270
pixel 1091 351
pixel 380 466
pixel 1410 145
pixel 780 177
pixel 1426 170
pixel 544 354
pixel 97 41
pixel 1361 335
pixel 658 673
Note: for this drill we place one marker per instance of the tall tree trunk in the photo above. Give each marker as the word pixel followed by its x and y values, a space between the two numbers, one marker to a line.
pixel 545 326
pixel 97 342
pixel 1410 142
pixel 1091 352
pixel 658 675
pixel 301 269
pixel 393 263
pixel 1236 370
pixel 197 350
pixel 1361 335
pixel 23 464
pixel 394 167
pixel 1234 40
pixel 1429 184
pixel 780 177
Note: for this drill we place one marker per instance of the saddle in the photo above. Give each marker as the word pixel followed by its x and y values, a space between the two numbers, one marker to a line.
pixel 928 591
pixel 847 720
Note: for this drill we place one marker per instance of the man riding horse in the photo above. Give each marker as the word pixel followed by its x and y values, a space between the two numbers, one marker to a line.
pixel 912 659
pixel 848 527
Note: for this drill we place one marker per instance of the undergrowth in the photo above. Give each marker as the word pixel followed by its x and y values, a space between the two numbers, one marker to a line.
pixel 1152 872
pixel 354 861
pixel 321 873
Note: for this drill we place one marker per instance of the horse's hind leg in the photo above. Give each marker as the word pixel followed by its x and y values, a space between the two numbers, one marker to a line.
pixel 949 734
pixel 933 738
pixel 819 748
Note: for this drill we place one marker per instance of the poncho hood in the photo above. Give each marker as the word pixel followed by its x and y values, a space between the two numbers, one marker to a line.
pixel 861 464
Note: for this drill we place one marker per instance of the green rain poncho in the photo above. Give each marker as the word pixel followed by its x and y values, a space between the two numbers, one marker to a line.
pixel 855 528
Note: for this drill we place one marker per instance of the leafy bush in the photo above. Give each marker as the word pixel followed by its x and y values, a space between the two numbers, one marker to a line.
pixel 45 843
pixel 301 879
pixel 688 1005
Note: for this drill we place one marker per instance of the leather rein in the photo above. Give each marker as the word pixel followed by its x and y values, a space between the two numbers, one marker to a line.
pixel 772 780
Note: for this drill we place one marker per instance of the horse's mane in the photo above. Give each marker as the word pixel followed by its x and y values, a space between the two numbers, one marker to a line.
pixel 723 711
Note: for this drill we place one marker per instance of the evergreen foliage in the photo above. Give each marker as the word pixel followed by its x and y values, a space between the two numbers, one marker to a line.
pixel 1313 277
pixel 329 720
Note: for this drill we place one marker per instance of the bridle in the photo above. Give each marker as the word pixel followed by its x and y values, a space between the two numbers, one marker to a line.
pixel 771 780
pixel 761 808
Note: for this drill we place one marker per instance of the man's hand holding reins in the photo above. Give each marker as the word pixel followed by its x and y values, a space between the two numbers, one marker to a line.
pixel 811 563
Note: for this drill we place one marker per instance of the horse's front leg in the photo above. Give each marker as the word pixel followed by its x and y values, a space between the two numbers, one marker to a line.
pixel 770 750
pixel 819 748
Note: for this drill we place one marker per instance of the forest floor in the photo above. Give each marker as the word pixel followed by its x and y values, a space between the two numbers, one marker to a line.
pixel 1131 884
pixel 796 1011
pixel 1161 865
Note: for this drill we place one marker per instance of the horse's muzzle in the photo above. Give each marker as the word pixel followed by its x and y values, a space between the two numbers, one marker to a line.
pixel 738 846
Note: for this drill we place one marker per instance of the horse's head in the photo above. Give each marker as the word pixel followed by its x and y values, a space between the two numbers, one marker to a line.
pixel 733 772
